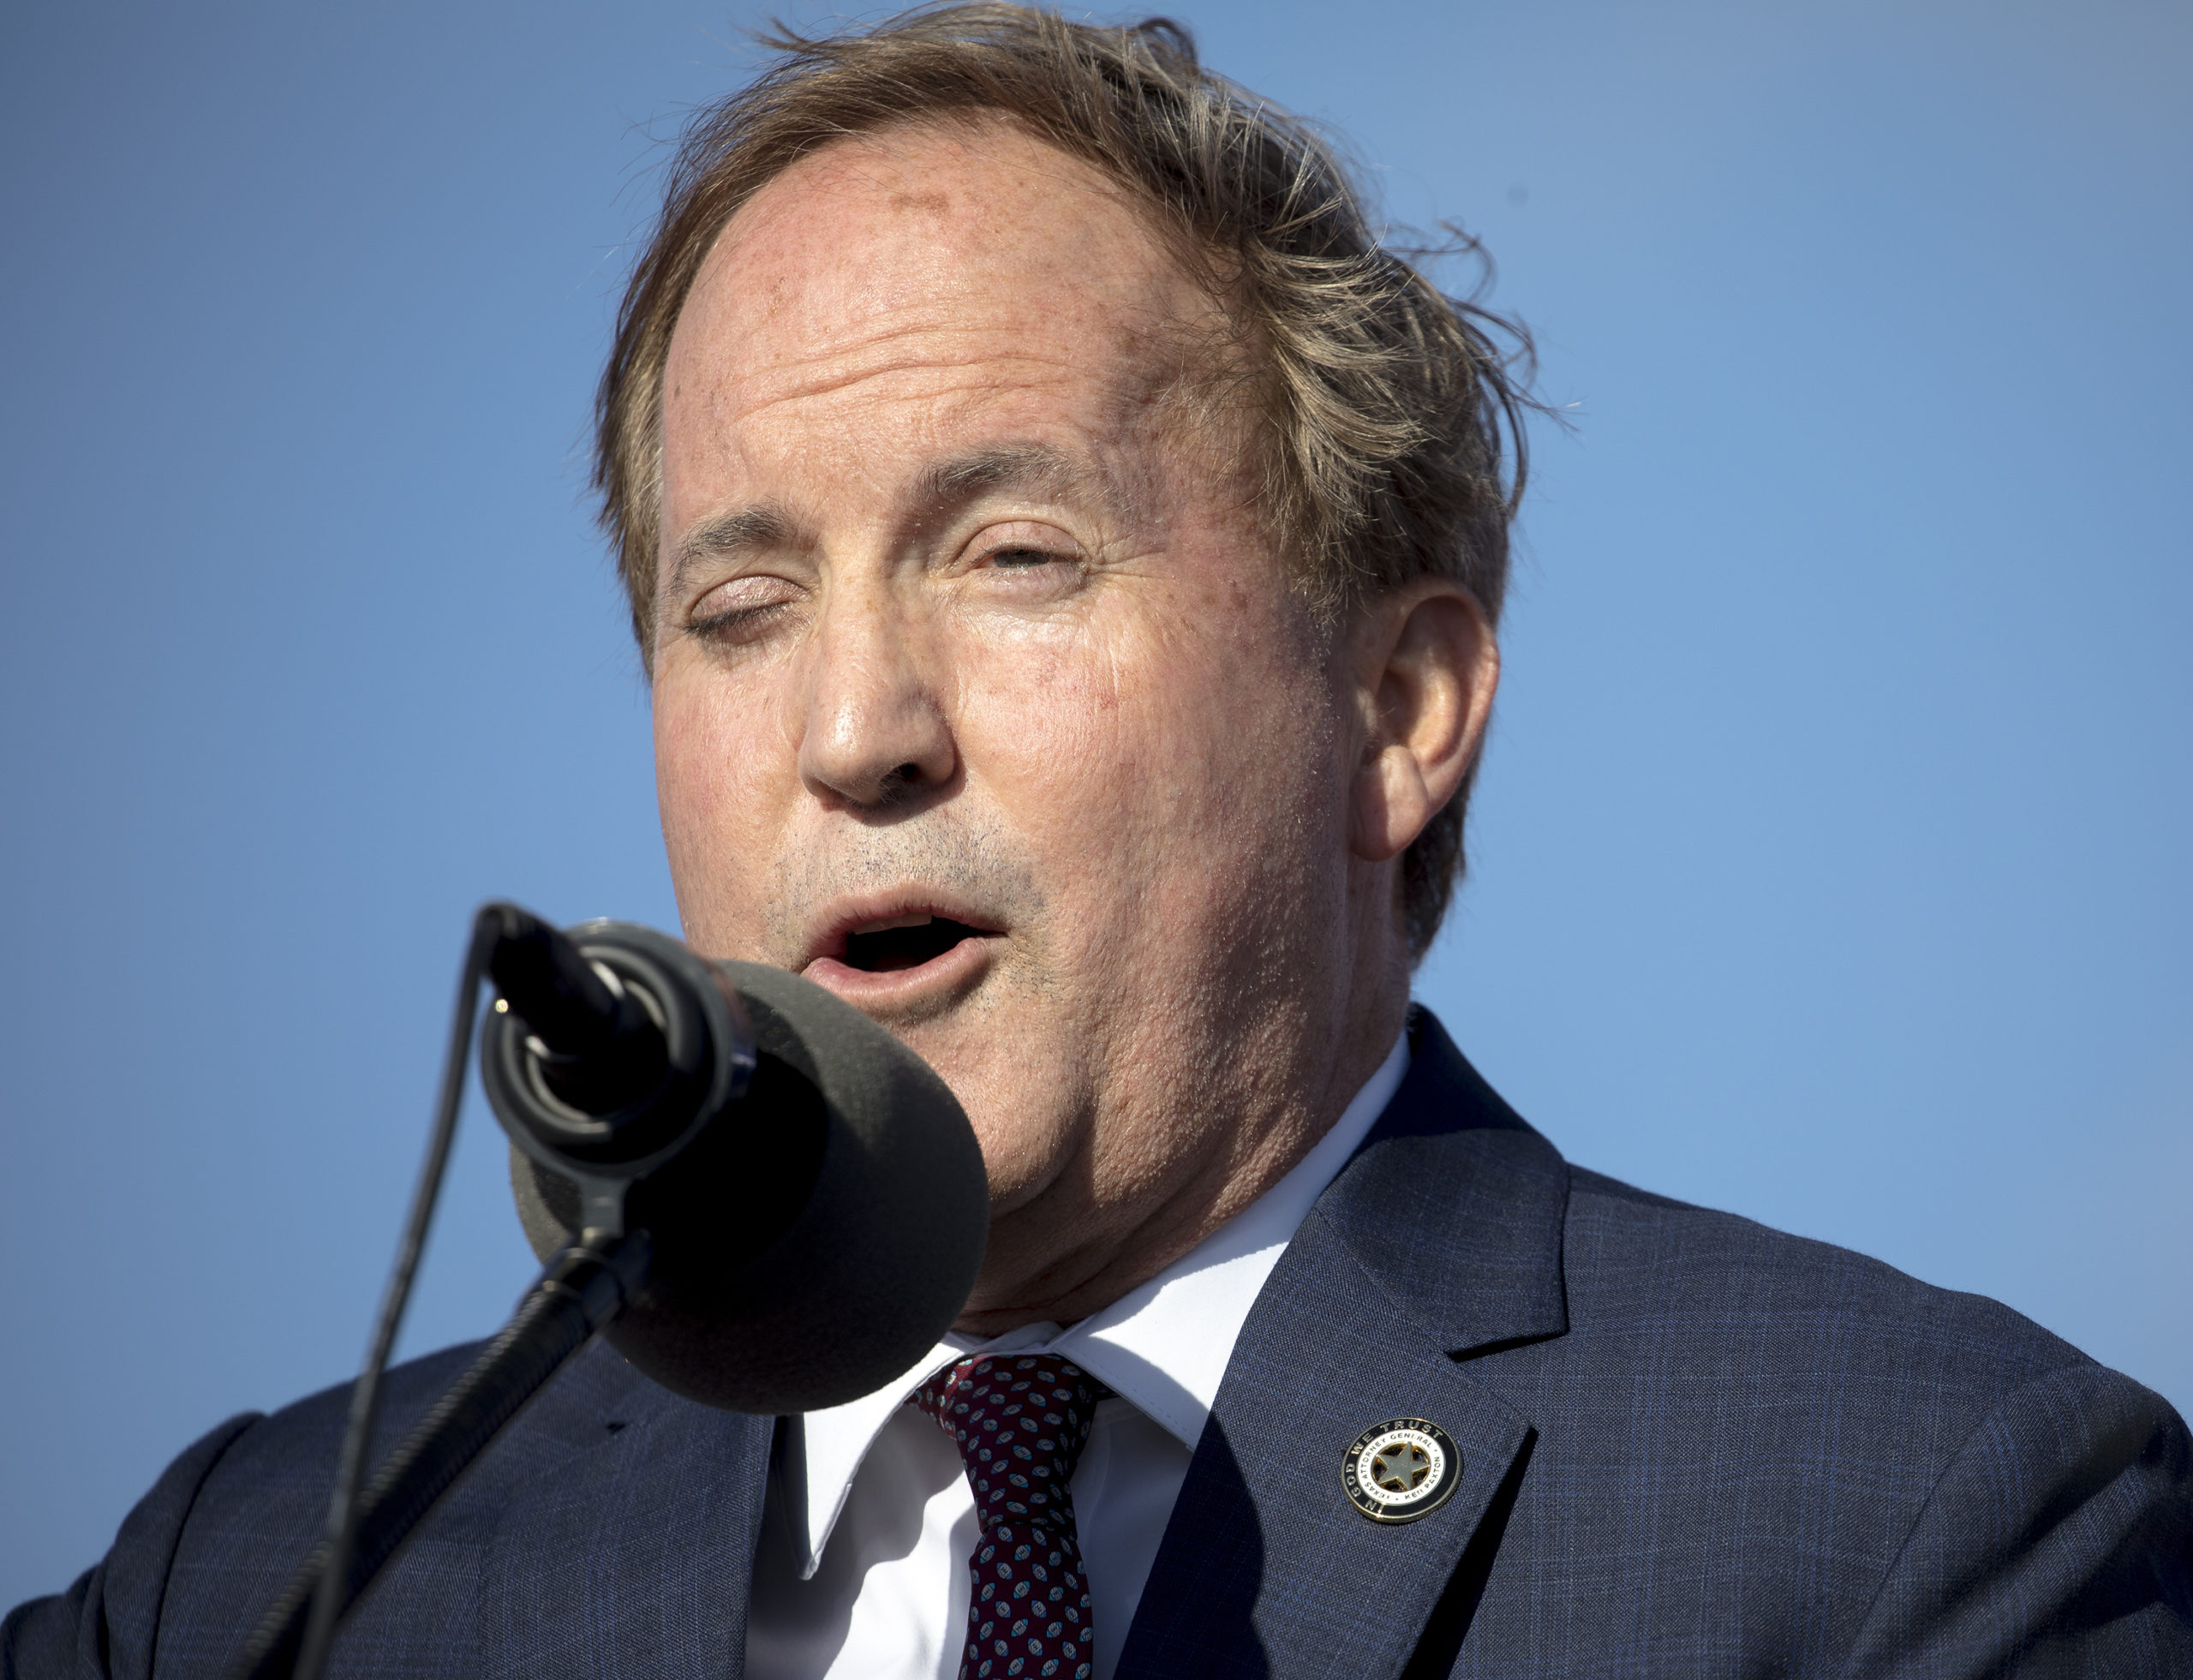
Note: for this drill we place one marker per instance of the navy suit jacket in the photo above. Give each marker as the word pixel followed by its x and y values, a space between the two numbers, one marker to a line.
pixel 1690 1446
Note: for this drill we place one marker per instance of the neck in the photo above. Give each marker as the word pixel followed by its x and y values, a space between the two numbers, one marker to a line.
pixel 1266 1094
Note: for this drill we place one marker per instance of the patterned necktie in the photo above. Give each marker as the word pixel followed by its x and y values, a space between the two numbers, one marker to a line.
pixel 1021 1421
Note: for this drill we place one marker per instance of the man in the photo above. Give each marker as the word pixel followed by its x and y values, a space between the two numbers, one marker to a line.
pixel 1066 550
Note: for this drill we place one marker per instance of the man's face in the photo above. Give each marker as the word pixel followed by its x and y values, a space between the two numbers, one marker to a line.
pixel 979 696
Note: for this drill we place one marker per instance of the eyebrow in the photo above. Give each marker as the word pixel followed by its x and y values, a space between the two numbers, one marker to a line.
pixel 726 537
pixel 1027 467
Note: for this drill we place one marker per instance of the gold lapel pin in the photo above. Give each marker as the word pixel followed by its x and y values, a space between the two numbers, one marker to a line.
pixel 1402 1469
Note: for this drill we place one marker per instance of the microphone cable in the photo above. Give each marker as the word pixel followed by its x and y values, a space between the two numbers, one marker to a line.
pixel 328 1599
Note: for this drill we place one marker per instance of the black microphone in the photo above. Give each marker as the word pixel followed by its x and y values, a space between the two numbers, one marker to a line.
pixel 598 1047
pixel 815 1195
pixel 762 1199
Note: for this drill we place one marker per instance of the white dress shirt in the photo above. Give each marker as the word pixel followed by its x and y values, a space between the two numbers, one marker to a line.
pixel 865 1536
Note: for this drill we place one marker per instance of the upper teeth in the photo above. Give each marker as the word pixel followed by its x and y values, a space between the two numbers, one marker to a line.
pixel 920 919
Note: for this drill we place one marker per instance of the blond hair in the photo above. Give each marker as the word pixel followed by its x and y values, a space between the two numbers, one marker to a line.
pixel 1390 439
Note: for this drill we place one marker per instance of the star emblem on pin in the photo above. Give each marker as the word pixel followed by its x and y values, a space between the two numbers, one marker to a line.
pixel 1402 1469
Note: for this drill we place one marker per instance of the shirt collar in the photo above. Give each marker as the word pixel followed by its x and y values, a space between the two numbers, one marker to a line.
pixel 1162 1347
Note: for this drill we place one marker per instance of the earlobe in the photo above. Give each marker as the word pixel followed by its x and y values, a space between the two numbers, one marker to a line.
pixel 1428 667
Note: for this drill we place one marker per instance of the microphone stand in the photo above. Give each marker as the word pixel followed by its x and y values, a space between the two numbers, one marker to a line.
pixel 692 1054
pixel 582 1289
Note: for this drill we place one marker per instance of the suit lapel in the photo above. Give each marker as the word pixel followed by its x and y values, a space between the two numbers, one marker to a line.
pixel 632 1557
pixel 1441 1238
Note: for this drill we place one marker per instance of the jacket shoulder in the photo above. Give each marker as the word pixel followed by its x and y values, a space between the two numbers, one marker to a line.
pixel 1634 1261
pixel 104 1624
pixel 293 1451
pixel 262 1508
pixel 1829 1465
pixel 207 1550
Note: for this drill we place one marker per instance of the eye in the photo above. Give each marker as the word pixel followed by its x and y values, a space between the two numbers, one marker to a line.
pixel 1023 552
pixel 740 611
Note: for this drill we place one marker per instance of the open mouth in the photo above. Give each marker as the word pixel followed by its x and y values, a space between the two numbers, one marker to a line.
pixel 907 943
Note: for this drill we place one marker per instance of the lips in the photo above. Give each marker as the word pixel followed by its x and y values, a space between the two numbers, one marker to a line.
pixel 906 943
pixel 876 953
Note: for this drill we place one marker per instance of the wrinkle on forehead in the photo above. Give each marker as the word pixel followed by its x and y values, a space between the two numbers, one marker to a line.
pixel 883 369
pixel 924 247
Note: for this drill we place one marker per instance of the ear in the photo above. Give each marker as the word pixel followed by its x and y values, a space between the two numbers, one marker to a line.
pixel 1425 665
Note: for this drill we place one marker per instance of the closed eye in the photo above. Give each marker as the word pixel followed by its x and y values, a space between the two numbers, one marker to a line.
pixel 737 625
pixel 740 610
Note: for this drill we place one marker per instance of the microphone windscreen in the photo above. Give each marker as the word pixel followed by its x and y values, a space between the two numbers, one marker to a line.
pixel 818 1236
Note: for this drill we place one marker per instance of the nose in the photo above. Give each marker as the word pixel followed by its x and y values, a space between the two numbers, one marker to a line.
pixel 875 733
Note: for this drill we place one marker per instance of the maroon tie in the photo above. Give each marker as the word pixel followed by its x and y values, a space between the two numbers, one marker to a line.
pixel 1021 1421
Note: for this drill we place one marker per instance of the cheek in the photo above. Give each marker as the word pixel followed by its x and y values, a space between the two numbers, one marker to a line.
pixel 714 773
pixel 1162 746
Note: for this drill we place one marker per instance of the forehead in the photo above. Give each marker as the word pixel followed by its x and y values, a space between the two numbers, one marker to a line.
pixel 895 262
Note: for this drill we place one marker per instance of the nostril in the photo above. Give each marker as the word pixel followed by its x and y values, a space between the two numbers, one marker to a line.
pixel 898 783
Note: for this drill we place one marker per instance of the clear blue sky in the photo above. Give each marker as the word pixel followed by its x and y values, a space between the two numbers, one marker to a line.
pixel 1830 861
